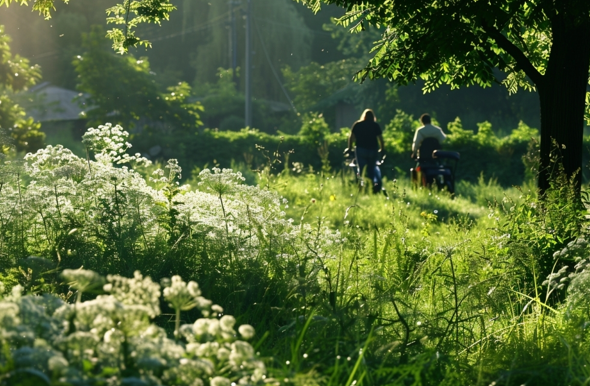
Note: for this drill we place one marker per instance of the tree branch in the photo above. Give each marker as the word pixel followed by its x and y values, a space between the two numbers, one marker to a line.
pixel 521 60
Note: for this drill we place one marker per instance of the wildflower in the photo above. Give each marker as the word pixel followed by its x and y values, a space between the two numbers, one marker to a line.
pixel 246 331
pixel 221 181
pixel 220 381
pixel 240 352
pixel 9 314
pixel 203 327
pixel 180 295
pixel 207 349
pixel 136 291
pixel 227 323
pixel 57 363
pixel 82 280
pixel 174 170
pixel 223 354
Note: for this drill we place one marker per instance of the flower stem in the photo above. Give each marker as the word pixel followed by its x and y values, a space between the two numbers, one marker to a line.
pixel 177 324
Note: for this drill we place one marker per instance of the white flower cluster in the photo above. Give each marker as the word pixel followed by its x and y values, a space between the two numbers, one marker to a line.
pixel 183 296
pixel 174 173
pixel 110 340
pixel 110 144
pixel 576 279
pixel 249 215
pixel 236 355
pixel 53 163
pixel 92 211
pixel 136 291
pixel 221 181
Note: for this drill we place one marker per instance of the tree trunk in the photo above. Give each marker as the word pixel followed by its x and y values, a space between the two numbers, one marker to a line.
pixel 562 96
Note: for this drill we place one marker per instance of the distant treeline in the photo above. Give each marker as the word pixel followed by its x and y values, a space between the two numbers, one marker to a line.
pixel 510 159
pixel 313 59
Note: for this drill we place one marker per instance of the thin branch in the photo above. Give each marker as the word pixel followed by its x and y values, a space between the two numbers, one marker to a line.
pixel 521 59
pixel 127 18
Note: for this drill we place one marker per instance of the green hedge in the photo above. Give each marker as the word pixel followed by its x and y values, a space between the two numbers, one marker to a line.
pixel 483 152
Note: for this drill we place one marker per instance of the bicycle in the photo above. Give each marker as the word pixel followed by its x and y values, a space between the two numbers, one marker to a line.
pixel 435 166
pixel 377 182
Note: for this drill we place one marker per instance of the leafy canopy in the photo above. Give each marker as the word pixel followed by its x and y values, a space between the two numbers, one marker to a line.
pixel 315 82
pixel 124 89
pixel 458 43
pixel 127 16
pixel 16 74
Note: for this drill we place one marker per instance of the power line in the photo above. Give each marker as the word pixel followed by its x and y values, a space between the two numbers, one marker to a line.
pixel 201 27
pixel 273 69
pixel 266 21
pixel 198 28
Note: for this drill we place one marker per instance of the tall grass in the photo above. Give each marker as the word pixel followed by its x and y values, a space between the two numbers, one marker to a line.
pixel 344 287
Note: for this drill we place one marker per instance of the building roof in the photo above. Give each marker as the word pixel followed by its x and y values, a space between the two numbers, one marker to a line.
pixel 46 102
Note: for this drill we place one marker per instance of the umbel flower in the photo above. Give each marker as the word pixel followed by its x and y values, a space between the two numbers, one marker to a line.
pixel 110 339
pixel 110 144
pixel 82 280
pixel 102 207
pixel 183 297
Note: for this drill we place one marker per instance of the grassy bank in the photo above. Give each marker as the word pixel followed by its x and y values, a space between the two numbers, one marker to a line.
pixel 342 287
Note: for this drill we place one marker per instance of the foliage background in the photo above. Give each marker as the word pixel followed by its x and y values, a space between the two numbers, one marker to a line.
pixel 510 159
pixel 194 45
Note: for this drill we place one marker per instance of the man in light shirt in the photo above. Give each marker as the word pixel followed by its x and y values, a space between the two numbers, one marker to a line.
pixel 426 131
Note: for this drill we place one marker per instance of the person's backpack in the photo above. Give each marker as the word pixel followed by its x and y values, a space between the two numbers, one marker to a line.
pixel 427 147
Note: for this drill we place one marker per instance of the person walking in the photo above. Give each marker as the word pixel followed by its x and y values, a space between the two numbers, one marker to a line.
pixel 427 139
pixel 428 130
pixel 366 134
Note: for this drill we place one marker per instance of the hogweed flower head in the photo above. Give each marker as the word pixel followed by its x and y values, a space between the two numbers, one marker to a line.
pixel 246 331
pixel 136 291
pixel 182 296
pixel 110 144
pixel 221 181
pixel 82 280
pixel 220 381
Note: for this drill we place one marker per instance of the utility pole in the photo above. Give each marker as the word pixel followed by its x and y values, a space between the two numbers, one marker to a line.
pixel 248 114
pixel 233 39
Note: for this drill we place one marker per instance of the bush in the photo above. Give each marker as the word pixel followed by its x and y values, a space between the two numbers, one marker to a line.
pixel 314 129
pixel 484 152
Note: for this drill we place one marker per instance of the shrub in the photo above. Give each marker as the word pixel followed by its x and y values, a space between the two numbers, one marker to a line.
pixel 314 129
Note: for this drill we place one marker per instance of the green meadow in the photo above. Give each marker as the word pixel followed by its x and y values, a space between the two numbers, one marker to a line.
pixel 109 263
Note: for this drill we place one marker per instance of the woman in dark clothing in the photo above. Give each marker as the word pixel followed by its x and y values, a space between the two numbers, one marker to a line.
pixel 367 136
